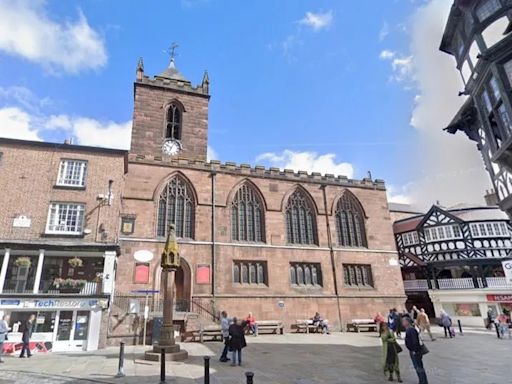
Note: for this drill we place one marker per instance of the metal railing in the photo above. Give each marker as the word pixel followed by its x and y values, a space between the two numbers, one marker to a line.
pixel 457 283
pixel 416 285
pixel 90 288
pixel 462 283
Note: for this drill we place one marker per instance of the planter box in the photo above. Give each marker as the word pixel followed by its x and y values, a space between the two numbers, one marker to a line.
pixel 70 290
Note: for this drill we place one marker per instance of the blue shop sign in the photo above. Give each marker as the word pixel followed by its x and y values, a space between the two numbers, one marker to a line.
pixel 14 303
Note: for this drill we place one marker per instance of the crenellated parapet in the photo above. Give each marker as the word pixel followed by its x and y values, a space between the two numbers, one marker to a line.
pixel 229 167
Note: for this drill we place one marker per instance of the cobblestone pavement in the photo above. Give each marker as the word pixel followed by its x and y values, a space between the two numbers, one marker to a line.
pixel 474 358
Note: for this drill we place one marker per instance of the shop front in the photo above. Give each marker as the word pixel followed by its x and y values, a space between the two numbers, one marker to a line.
pixel 470 306
pixel 61 324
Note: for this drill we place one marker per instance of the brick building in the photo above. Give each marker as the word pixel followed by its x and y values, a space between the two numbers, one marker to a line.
pixel 60 208
pixel 278 243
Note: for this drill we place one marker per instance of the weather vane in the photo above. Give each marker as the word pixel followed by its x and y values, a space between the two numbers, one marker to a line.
pixel 171 51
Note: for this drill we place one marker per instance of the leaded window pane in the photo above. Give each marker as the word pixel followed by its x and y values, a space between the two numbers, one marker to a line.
pixel 173 122
pixel 261 274
pixel 300 275
pixel 293 275
pixel 176 206
pixel 357 275
pixel 350 222
pixel 252 274
pixel 247 216
pixel 245 274
pixel 307 275
pixel 300 220
pixel 236 273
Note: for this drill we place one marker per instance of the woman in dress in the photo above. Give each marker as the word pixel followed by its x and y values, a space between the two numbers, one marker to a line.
pixel 390 350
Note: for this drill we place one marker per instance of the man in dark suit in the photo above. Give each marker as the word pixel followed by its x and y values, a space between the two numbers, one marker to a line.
pixel 26 329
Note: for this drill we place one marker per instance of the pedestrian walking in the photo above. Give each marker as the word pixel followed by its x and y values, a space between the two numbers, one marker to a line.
pixel 446 322
pixel 4 329
pixel 490 318
pixel 414 313
pixel 379 320
pixel 414 345
pixel 504 321
pixel 26 328
pixel 390 351
pixel 393 321
pixel 423 323
pixel 224 325
pixel 237 340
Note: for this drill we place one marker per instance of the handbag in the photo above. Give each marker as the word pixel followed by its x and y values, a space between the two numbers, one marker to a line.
pixel 423 348
pixel 398 348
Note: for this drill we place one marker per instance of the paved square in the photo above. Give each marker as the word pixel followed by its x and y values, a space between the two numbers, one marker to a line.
pixel 290 359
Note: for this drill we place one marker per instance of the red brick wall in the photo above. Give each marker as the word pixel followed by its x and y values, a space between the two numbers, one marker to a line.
pixel 143 185
pixel 28 178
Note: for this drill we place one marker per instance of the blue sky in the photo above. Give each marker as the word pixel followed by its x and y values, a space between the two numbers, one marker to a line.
pixel 325 85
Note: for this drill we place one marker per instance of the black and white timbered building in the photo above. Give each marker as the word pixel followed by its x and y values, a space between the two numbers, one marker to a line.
pixel 451 260
pixel 478 36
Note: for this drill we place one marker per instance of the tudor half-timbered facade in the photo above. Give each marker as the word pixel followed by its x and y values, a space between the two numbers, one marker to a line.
pixel 478 36
pixel 451 260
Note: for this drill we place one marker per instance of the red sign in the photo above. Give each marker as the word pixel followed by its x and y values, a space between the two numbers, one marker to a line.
pixel 500 298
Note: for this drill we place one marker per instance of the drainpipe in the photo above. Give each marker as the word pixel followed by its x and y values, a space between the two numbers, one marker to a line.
pixel 214 228
pixel 331 251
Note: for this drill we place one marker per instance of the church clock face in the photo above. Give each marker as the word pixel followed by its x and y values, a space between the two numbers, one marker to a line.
pixel 171 147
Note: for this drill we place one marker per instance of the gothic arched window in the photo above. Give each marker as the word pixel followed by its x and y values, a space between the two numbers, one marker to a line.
pixel 174 120
pixel 247 219
pixel 300 219
pixel 350 222
pixel 176 206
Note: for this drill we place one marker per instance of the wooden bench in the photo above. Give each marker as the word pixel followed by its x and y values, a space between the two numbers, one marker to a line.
pixel 307 325
pixel 211 331
pixel 357 325
pixel 271 326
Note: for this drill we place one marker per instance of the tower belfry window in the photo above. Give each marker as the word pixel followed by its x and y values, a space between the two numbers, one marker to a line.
pixel 174 120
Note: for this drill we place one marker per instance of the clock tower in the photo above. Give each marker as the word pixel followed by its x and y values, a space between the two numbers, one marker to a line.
pixel 170 116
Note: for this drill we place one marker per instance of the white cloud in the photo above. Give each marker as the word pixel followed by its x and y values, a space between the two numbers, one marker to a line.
pixel 447 168
pixel 386 54
pixel 27 31
pixel 211 154
pixel 317 21
pixel 307 161
pixel 16 124
pixel 384 31
pixel 401 65
pixel 399 194
pixel 102 134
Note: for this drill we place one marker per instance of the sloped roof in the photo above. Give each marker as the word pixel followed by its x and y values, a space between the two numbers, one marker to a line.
pixel 172 73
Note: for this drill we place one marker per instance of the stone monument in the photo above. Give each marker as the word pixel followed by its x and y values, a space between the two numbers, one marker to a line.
pixel 169 263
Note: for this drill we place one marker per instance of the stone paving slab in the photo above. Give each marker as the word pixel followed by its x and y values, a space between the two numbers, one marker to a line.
pixel 474 358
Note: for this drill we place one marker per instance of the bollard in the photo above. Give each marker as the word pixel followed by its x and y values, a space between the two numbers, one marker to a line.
pixel 460 327
pixel 497 330
pixel 120 370
pixel 249 376
pixel 206 370
pixel 162 366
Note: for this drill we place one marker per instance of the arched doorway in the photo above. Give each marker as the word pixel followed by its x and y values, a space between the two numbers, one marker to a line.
pixel 182 281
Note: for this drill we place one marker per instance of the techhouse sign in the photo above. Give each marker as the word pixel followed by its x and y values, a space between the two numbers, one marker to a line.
pixel 50 304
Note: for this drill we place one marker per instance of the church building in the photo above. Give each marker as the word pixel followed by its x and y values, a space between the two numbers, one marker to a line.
pixel 281 244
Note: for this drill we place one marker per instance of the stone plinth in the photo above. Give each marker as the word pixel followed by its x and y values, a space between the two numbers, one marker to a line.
pixel 172 353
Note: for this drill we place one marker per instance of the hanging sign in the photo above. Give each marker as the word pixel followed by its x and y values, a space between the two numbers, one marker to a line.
pixel 507 267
